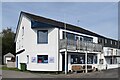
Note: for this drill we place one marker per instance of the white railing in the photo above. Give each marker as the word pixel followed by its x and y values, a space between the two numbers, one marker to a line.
pixel 113 53
pixel 80 45
pixel 118 52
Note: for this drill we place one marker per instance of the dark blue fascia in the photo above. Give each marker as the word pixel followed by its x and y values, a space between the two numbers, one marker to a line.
pixel 36 24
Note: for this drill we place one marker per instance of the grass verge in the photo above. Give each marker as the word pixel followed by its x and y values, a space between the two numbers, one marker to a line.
pixel 6 68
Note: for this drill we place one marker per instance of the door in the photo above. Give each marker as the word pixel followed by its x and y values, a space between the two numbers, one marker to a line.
pixel 17 61
pixel 63 62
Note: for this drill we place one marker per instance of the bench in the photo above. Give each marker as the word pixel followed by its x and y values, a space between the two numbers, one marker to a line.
pixel 76 68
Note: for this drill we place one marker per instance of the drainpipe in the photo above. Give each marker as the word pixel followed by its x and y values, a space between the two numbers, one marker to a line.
pixel 86 59
pixel 58 48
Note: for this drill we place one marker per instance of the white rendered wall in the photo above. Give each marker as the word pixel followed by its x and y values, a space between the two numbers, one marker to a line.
pixel 20 37
pixel 50 49
pixel 33 49
pixel 20 41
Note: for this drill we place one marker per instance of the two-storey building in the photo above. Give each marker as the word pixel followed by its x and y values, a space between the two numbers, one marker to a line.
pixel 41 43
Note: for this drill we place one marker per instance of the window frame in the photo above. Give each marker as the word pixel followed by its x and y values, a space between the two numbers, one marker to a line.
pixel 115 43
pixel 105 40
pixel 23 31
pixel 38 42
pixel 42 61
pixel 27 59
pixel 111 42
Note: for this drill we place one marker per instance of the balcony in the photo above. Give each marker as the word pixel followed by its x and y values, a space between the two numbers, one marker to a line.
pixel 112 53
pixel 80 45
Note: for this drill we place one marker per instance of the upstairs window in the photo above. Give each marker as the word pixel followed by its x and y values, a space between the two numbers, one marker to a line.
pixel 22 31
pixel 115 43
pixel 105 40
pixel 42 36
pixel 69 36
pixel 111 41
pixel 88 39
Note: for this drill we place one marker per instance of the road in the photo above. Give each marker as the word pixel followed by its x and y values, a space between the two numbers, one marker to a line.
pixel 0 72
pixel 99 74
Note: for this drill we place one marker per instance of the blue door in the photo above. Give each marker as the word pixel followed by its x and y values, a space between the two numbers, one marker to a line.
pixel 17 61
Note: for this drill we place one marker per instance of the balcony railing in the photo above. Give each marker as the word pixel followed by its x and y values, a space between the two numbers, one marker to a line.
pixel 112 53
pixel 80 45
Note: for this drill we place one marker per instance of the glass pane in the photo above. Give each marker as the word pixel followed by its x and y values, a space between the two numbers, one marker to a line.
pixel 90 59
pixel 42 36
pixel 77 59
pixel 42 58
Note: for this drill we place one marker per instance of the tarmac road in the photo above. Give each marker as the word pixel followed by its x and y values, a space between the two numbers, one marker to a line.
pixel 113 73
pixel 0 72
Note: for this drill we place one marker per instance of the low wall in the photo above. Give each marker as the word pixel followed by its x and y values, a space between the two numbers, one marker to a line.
pixel 101 67
pixel 11 64
pixel 111 66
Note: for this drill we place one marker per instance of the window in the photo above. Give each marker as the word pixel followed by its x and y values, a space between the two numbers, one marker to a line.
pixel 78 38
pixel 77 59
pixel 111 41
pixel 116 52
pixel 100 61
pixel 69 36
pixel 95 59
pixel 105 40
pixel 99 40
pixel 22 43
pixel 90 59
pixel 42 58
pixel 19 44
pixel 42 36
pixel 22 31
pixel 81 38
pixel 27 59
pixel 115 43
pixel 88 39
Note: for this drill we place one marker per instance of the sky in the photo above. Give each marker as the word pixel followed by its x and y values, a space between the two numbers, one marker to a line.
pixel 60 0
pixel 98 17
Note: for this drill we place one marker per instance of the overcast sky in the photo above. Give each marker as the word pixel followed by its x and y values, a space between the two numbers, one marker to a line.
pixel 99 17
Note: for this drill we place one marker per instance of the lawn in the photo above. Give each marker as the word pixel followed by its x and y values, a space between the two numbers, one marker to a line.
pixel 6 68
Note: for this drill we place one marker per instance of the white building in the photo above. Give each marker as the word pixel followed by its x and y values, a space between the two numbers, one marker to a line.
pixel 41 44
pixel 8 57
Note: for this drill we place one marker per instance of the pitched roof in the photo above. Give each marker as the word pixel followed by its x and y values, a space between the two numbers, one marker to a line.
pixel 60 24
pixel 9 54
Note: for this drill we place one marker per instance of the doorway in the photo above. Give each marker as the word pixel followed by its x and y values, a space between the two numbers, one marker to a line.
pixel 63 62
pixel 17 61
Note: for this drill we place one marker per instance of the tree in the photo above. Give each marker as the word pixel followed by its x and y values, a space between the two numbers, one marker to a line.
pixel 8 44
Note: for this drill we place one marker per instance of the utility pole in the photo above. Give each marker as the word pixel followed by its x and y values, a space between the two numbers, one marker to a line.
pixel 65 50
pixel 86 59
pixel 118 51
